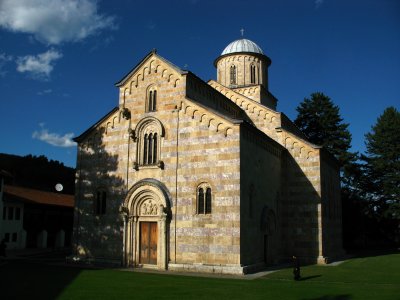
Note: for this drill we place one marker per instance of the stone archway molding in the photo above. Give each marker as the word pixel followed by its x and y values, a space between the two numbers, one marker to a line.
pixel 147 201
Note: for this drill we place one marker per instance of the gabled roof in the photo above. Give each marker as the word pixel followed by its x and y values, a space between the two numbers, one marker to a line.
pixel 232 112
pixel 153 52
pixel 79 138
pixel 39 197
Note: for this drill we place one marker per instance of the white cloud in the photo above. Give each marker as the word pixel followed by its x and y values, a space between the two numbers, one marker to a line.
pixel 4 59
pixel 151 25
pixel 54 21
pixel 318 3
pixel 45 92
pixel 39 66
pixel 54 139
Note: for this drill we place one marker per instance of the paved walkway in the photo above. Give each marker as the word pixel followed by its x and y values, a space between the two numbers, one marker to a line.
pixel 58 257
pixel 20 253
pixel 195 274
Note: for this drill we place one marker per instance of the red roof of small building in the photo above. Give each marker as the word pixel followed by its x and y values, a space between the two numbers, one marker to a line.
pixel 39 197
pixel 4 173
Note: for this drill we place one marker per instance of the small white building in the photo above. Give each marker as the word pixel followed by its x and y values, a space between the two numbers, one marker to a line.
pixel 11 223
pixel 33 218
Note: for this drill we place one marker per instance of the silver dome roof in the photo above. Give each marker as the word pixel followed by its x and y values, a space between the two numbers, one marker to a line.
pixel 242 45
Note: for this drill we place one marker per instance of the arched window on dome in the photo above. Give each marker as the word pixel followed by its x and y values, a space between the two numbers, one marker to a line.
pixel 151 101
pixel 233 74
pixel 252 74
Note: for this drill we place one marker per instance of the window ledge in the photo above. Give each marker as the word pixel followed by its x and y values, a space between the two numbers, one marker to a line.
pixel 158 165
pixel 205 216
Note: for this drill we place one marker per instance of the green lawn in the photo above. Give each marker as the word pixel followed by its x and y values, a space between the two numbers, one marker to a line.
pixel 361 278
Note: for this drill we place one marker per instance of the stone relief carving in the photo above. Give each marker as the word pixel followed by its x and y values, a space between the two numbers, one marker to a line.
pixel 149 208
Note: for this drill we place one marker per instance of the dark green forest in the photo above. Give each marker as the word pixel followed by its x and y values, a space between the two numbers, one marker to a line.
pixel 370 181
pixel 38 172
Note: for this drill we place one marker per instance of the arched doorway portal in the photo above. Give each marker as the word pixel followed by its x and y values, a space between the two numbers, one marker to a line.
pixel 147 210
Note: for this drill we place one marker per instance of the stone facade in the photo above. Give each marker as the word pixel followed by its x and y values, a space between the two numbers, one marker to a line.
pixel 188 175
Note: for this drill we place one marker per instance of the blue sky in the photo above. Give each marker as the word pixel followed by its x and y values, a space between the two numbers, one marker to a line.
pixel 59 59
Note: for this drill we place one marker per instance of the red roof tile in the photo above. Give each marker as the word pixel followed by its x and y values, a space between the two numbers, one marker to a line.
pixel 39 197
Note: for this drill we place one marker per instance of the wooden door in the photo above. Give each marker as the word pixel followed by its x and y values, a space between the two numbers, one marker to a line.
pixel 148 242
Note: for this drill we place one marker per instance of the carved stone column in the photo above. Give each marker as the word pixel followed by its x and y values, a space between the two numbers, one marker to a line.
pixel 123 212
pixel 124 217
pixel 162 237
pixel 128 247
pixel 134 242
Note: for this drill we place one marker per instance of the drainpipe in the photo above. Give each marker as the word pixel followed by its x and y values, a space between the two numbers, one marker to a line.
pixel 176 174
pixel 127 164
pixel 78 202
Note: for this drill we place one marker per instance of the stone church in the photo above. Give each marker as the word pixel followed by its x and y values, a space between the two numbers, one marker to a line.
pixel 203 176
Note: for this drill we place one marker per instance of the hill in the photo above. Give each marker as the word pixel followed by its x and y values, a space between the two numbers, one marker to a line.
pixel 38 172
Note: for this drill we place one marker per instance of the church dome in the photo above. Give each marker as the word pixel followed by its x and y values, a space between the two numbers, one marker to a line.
pixel 242 45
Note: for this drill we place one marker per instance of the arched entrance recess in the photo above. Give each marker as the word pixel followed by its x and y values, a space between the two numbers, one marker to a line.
pixel 147 210
pixel 268 229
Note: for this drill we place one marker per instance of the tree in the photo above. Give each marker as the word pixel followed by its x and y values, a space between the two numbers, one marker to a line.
pixel 381 180
pixel 38 172
pixel 320 120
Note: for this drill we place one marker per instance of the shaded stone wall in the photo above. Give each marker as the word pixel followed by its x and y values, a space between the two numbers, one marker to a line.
pixel 331 208
pixel 302 220
pixel 107 157
pixel 260 197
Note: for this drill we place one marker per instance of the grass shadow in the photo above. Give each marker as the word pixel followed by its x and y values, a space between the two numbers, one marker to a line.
pixel 23 279
pixel 331 297
pixel 309 277
pixel 372 252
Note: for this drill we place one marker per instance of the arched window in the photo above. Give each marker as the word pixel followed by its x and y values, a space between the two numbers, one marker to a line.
pixel 208 201
pixel 151 102
pixel 155 147
pixel 149 132
pixel 204 199
pixel 200 209
pixel 150 149
pixel 100 203
pixel 233 74
pixel 252 74
pixel 145 148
